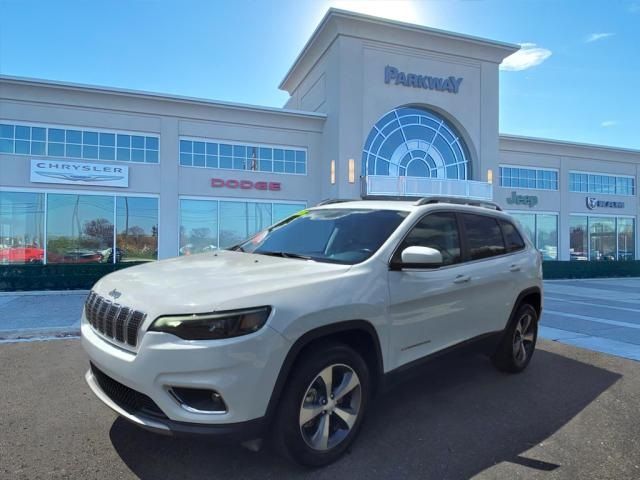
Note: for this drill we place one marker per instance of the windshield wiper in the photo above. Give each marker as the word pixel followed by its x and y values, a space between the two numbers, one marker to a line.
pixel 285 255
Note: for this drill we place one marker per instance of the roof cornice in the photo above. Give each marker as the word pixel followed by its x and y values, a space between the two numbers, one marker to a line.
pixel 36 82
pixel 338 22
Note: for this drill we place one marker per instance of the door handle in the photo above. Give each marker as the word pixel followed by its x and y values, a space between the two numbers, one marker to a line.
pixel 514 268
pixel 462 279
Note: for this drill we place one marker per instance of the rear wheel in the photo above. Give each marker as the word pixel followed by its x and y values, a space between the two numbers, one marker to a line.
pixel 519 342
pixel 323 405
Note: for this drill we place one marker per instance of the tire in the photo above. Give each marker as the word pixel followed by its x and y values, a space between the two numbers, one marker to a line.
pixel 519 341
pixel 323 437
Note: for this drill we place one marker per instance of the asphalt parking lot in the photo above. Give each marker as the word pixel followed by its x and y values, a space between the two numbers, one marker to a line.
pixel 572 414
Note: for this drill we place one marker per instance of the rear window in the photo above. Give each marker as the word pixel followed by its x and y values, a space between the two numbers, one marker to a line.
pixel 512 236
pixel 483 235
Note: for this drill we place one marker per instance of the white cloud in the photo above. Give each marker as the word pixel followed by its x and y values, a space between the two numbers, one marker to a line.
pixel 528 56
pixel 594 37
pixel 608 123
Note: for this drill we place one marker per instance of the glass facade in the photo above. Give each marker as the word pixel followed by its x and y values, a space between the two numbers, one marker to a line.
pixel 208 224
pixel 78 143
pixel 77 228
pixel 542 230
pixel 534 178
pixel 603 184
pixel 601 238
pixel 136 229
pixel 259 158
pixel 415 142
pixel 21 227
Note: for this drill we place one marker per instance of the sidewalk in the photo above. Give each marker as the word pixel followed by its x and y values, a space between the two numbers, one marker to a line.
pixel 36 315
pixel 602 315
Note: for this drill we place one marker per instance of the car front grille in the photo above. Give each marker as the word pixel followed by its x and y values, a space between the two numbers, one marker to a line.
pixel 130 400
pixel 113 320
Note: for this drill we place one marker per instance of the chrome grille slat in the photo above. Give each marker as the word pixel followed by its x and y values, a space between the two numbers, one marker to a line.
pixel 113 320
pixel 121 321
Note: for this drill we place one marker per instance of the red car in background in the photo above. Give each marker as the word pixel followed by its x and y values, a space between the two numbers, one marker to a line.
pixel 23 254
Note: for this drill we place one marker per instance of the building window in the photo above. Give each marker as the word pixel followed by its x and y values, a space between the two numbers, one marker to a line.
pixel 602 184
pixel 253 157
pixel 21 227
pixel 601 238
pixel 209 224
pixel 136 229
pixel 533 178
pixel 78 143
pixel 414 142
pixel 542 230
pixel 77 228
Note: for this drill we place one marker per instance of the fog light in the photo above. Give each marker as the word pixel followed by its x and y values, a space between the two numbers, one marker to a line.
pixel 199 400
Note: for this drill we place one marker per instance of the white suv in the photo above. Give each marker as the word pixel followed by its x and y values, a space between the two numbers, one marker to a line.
pixel 294 330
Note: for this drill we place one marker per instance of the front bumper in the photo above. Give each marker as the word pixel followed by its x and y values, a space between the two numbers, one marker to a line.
pixel 239 432
pixel 242 370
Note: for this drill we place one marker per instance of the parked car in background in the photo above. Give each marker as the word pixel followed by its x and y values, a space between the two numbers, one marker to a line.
pixel 78 255
pixel 22 254
pixel 107 255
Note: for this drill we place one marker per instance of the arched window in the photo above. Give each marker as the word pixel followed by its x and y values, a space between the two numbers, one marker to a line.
pixel 414 142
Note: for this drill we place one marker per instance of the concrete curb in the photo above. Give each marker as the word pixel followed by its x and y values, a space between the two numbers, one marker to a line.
pixel 45 293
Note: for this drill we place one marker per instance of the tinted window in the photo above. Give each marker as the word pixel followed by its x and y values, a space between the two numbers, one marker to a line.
pixel 439 231
pixel 328 235
pixel 484 238
pixel 512 237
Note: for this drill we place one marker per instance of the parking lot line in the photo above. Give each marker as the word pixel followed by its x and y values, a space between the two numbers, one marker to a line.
pixel 594 319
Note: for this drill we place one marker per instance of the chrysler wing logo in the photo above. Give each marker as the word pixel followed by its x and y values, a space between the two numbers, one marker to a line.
pixel 115 293
pixel 592 202
pixel 81 178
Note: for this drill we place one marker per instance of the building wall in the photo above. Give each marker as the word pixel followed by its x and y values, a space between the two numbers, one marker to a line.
pixel 53 105
pixel 565 158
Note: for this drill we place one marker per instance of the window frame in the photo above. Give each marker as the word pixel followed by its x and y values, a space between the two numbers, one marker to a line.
pixel 501 222
pixel 82 129
pixel 399 266
pixel 600 179
pixel 257 145
pixel 535 179
pixel 72 191
pixel 466 252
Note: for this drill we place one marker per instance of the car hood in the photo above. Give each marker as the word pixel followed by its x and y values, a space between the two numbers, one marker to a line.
pixel 206 282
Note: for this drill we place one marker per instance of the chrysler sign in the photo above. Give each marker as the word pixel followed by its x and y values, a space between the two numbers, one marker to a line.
pixel 449 84
pixel 245 184
pixel 75 173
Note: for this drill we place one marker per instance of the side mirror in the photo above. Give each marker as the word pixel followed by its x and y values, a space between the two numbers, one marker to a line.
pixel 421 257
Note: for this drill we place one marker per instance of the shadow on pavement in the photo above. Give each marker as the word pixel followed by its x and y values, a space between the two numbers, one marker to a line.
pixel 450 420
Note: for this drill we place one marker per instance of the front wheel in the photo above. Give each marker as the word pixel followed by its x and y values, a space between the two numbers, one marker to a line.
pixel 519 341
pixel 323 405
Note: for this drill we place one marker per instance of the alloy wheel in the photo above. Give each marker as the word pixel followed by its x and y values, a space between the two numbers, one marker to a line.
pixel 330 407
pixel 524 338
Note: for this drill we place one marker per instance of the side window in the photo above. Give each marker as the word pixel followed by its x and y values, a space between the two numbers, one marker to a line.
pixel 436 230
pixel 512 236
pixel 483 235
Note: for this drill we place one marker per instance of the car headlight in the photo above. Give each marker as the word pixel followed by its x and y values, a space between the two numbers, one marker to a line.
pixel 211 326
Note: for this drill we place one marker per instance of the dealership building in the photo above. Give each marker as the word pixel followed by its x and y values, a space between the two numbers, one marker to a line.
pixel 377 108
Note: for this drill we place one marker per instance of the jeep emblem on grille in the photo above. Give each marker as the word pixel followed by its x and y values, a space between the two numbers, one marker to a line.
pixel 114 293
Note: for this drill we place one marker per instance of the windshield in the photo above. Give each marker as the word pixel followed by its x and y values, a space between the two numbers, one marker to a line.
pixel 342 235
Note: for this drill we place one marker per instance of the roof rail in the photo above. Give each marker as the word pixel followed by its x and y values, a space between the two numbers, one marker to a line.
pixel 329 201
pixel 458 201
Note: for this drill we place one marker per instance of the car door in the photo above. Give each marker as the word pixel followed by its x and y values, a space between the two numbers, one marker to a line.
pixel 427 306
pixel 489 293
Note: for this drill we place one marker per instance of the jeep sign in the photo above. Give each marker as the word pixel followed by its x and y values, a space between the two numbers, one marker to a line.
pixel 245 184
pixel 528 200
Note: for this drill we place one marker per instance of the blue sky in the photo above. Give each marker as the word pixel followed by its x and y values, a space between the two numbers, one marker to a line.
pixel 577 80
